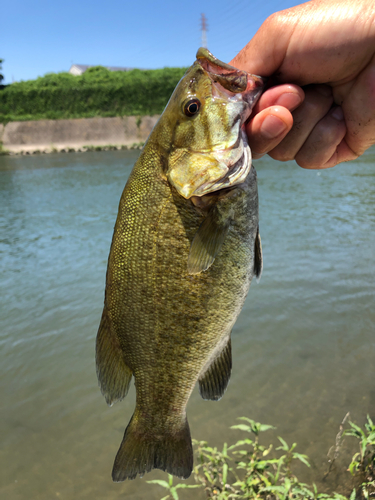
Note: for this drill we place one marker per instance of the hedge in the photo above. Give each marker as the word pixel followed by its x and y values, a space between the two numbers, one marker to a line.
pixel 98 92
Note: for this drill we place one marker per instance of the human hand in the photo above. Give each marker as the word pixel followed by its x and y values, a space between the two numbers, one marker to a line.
pixel 328 47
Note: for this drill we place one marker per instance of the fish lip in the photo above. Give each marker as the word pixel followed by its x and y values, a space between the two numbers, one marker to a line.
pixel 231 83
pixel 239 80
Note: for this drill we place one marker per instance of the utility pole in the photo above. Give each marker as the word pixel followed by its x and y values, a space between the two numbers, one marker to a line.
pixel 204 28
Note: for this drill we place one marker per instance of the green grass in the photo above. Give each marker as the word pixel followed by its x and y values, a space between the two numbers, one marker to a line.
pixel 248 469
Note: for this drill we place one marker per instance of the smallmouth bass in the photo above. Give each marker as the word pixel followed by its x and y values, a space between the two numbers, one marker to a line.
pixel 185 248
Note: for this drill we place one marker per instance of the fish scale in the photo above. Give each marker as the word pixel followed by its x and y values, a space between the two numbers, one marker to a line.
pixel 178 273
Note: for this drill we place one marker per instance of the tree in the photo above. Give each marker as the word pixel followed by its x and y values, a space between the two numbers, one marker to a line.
pixel 1 76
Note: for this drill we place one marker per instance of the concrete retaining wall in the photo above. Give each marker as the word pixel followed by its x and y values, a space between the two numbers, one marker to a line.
pixel 60 134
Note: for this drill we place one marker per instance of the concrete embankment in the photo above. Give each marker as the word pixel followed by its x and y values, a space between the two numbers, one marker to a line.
pixel 52 135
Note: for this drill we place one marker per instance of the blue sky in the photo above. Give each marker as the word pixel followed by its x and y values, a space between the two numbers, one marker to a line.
pixel 43 36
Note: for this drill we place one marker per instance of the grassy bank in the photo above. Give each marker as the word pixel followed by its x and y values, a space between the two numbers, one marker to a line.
pixel 98 92
pixel 251 470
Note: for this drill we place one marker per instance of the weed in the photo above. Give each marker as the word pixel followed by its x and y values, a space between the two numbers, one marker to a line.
pixel 363 462
pixel 172 489
pixel 249 469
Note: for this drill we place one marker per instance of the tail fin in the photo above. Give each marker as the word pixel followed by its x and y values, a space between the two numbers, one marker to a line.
pixel 141 452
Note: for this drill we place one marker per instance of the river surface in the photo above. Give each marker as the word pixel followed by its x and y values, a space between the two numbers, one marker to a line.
pixel 303 347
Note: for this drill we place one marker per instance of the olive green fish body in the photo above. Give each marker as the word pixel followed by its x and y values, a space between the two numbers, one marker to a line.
pixel 178 273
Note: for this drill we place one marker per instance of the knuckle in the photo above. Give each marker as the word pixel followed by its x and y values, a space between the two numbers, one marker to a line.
pixel 307 163
pixel 272 20
pixel 281 155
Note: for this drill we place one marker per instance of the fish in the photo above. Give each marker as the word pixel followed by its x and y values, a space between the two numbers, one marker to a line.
pixel 185 248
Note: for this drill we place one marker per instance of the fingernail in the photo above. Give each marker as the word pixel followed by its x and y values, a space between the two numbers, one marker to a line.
pixel 337 113
pixel 324 90
pixel 289 100
pixel 272 127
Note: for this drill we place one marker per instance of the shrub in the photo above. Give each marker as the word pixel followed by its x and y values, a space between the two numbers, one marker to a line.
pixel 97 92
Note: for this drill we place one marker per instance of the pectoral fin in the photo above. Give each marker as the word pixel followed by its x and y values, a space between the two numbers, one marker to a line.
pixel 258 257
pixel 113 373
pixel 207 243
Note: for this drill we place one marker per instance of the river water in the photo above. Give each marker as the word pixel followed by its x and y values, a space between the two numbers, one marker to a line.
pixel 303 347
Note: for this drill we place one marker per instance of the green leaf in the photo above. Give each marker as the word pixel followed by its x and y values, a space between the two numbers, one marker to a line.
pixel 284 444
pixel 174 493
pixel 263 428
pixel 287 484
pixel 160 482
pixel 184 486
pixel 242 465
pixel 273 489
pixel 358 429
pixel 251 422
pixel 261 465
pixel 353 495
pixel 225 474
pixel 242 427
pixel 352 468
pixel 241 443
pixel 240 452
pixel 304 490
pixel 266 451
pixel 302 458
pixel 363 447
pixel 210 480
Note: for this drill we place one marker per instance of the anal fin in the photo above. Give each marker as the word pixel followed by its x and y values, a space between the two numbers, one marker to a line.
pixel 113 373
pixel 214 381
pixel 258 256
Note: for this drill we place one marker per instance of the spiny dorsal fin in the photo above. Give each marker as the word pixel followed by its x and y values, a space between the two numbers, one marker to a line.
pixel 113 374
pixel 214 381
pixel 207 243
pixel 258 256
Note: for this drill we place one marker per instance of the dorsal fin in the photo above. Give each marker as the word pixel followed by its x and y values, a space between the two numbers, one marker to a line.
pixel 258 256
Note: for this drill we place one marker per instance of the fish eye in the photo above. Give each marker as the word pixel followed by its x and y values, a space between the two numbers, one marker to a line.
pixel 192 107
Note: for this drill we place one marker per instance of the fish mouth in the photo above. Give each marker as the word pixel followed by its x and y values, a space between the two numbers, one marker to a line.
pixel 238 167
pixel 230 79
